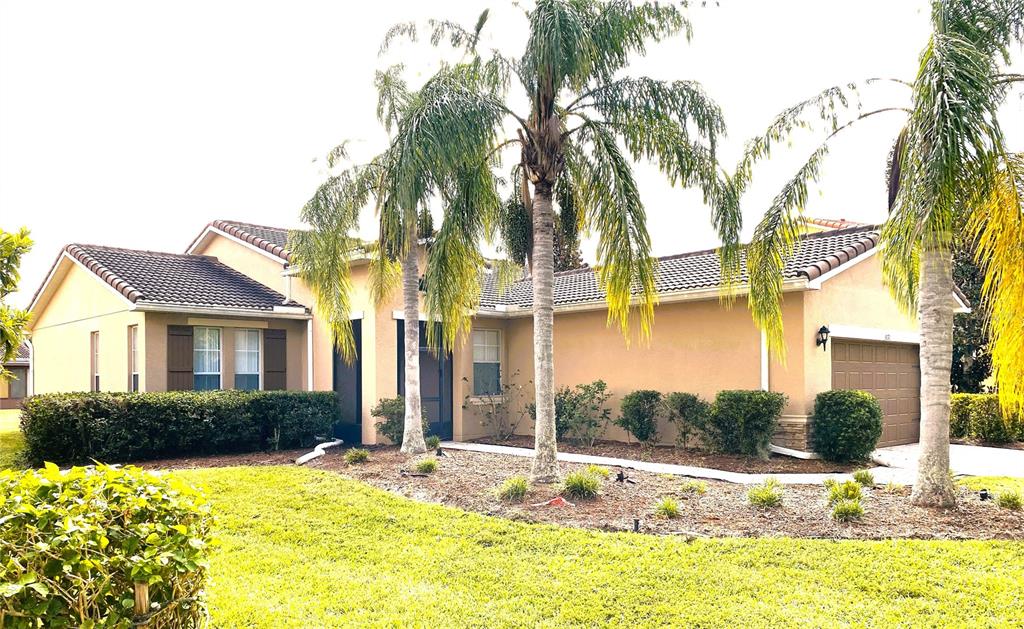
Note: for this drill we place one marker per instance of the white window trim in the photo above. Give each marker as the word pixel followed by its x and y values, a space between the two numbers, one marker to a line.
pixel 133 358
pixel 259 355
pixel 220 350
pixel 500 362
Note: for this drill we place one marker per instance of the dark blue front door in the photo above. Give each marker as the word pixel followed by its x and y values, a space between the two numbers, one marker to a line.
pixel 435 383
pixel 348 382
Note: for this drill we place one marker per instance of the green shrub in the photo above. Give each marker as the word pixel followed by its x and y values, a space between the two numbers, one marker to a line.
pixel 743 422
pixel 81 427
pixel 73 543
pixel 847 490
pixel 1010 499
pixel 690 415
pixel 698 487
pixel 979 416
pixel 846 425
pixel 667 508
pixel 893 487
pixel 864 477
pixel 433 442
pixel 580 412
pixel 354 456
pixel 847 510
pixel 639 415
pixel 767 494
pixel 581 485
pixel 598 471
pixel 391 413
pixel 426 466
pixel 514 489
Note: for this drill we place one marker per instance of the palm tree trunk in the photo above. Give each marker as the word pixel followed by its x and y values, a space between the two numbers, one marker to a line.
pixel 545 457
pixel 934 488
pixel 412 438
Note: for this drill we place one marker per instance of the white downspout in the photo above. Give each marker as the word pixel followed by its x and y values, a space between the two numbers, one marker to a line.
pixel 309 354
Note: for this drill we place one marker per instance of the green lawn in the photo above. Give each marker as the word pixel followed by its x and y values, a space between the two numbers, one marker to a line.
pixel 10 439
pixel 302 548
pixel 993 483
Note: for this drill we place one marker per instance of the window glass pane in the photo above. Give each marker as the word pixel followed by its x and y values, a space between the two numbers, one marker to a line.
pixel 247 382
pixel 247 352
pixel 486 379
pixel 206 382
pixel 19 384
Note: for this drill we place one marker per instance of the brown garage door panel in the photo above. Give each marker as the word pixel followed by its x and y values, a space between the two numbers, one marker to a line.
pixel 892 373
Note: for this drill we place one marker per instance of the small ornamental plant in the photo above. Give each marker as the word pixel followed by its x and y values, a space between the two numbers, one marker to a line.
pixel 1010 500
pixel 893 487
pixel 847 510
pixel 355 456
pixel 426 466
pixel 864 477
pixel 433 442
pixel 766 495
pixel 694 487
pixel 667 508
pixel 581 485
pixel 514 489
pixel 597 471
pixel 847 490
pixel 74 543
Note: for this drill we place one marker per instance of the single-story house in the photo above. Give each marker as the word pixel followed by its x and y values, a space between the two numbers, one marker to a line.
pixel 231 313
pixel 19 386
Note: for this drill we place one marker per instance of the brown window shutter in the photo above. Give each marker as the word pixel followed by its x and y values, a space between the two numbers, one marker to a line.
pixel 275 360
pixel 179 358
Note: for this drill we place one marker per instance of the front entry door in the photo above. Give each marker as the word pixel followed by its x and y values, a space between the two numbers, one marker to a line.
pixel 435 383
pixel 348 385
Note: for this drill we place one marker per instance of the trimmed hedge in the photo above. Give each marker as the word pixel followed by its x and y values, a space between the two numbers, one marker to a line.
pixel 978 416
pixel 82 427
pixel 743 422
pixel 846 425
pixel 74 542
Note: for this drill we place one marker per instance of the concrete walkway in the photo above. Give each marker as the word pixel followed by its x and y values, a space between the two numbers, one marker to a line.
pixel 882 474
pixel 969 460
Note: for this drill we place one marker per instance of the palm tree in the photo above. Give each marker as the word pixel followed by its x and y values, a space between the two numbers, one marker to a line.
pixel 322 253
pixel 570 136
pixel 949 166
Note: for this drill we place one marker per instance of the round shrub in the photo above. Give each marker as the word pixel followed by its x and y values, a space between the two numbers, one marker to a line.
pixel 846 425
pixel 639 415
pixel 73 544
pixel 391 413
pixel 743 422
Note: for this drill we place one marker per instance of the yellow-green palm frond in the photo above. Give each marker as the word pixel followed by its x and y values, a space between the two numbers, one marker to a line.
pixel 997 226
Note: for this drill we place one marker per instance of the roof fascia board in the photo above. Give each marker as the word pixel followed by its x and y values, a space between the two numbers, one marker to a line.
pixel 277 313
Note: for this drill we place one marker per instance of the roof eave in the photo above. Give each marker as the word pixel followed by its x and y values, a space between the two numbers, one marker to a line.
pixel 278 312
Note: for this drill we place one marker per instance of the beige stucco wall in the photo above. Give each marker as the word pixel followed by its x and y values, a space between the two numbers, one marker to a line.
pixel 80 305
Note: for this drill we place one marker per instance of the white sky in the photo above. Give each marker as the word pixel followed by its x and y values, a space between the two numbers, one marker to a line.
pixel 134 124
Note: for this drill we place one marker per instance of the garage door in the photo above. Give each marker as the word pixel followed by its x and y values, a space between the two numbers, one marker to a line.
pixel 892 373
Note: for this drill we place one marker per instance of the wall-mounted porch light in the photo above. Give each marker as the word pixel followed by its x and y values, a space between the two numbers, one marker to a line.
pixel 822 338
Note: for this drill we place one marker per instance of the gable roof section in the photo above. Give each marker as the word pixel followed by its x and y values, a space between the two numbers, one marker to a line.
pixel 272 240
pixel 22 358
pixel 155 280
pixel 814 255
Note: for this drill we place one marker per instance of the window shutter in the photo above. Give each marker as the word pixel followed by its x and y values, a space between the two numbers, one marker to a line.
pixel 179 358
pixel 275 360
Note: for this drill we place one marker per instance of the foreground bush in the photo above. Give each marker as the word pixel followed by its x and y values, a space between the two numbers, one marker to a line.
pixel 391 413
pixel 73 543
pixel 580 412
pixel 83 427
pixel 743 422
pixel 690 415
pixel 846 425
pixel 978 416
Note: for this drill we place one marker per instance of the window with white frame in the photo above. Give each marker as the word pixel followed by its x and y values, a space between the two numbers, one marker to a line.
pixel 94 361
pixel 486 362
pixel 206 359
pixel 133 358
pixel 247 359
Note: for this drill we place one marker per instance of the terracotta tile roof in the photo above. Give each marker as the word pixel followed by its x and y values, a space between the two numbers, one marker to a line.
pixel 271 239
pixel 815 255
pixel 22 357
pixel 832 223
pixel 173 279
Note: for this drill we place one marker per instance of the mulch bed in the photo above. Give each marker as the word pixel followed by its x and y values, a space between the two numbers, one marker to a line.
pixel 775 464
pixel 466 480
